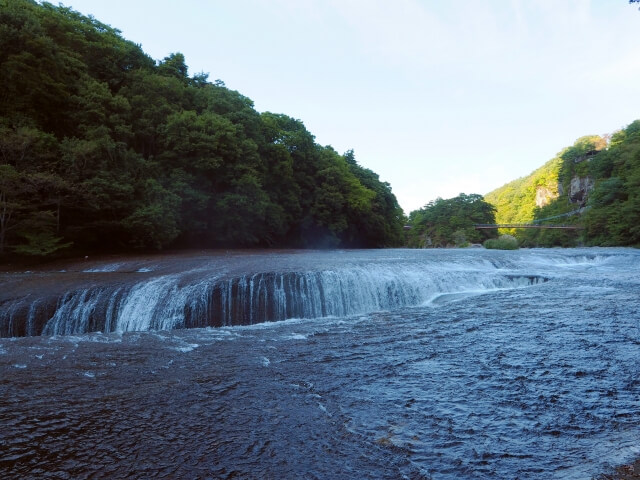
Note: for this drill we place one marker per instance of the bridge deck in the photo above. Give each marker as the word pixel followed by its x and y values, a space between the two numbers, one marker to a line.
pixel 526 225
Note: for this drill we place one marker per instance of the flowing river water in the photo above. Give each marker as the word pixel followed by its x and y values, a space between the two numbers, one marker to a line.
pixel 441 364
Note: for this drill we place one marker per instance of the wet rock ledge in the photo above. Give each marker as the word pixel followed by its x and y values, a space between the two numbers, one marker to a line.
pixel 629 471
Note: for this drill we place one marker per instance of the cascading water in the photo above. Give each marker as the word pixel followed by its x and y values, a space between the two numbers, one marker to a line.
pixel 414 364
pixel 203 297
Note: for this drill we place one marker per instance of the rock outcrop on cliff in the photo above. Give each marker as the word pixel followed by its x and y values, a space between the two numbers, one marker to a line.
pixel 593 184
pixel 579 189
pixel 544 196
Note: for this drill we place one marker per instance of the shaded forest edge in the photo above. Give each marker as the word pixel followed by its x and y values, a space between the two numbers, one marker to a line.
pixel 104 149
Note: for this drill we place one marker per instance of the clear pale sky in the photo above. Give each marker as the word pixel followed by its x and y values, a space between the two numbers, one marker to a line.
pixel 438 97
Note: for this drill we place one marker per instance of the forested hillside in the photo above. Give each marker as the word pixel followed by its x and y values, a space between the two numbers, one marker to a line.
pixel 104 148
pixel 450 222
pixel 595 184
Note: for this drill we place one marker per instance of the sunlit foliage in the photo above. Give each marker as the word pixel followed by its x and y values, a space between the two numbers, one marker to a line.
pixel 595 183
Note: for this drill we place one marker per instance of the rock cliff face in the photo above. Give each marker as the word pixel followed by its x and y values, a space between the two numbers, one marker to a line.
pixel 579 189
pixel 544 196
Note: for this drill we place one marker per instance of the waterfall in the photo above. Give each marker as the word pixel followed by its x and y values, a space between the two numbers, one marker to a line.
pixel 206 299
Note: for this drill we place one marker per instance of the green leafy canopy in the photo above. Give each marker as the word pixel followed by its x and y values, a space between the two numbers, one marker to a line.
pixel 103 148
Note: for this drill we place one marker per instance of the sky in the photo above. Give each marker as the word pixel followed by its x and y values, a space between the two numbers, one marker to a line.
pixel 439 97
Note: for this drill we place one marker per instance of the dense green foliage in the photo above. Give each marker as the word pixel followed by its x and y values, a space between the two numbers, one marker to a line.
pixel 104 148
pixel 515 202
pixel 540 196
pixel 504 242
pixel 444 223
pixel 595 183
pixel 614 214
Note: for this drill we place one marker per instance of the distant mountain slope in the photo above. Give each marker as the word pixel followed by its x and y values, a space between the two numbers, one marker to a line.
pixel 595 183
pixel 516 202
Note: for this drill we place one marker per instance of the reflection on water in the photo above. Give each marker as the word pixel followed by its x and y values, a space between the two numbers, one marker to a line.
pixel 533 380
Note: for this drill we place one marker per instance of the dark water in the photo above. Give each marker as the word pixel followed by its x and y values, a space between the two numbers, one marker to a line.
pixel 481 370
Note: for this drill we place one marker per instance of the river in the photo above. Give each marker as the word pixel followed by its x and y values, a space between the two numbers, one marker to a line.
pixel 441 364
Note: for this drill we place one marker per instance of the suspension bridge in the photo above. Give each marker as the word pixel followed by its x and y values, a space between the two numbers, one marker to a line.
pixel 481 226
pixel 535 223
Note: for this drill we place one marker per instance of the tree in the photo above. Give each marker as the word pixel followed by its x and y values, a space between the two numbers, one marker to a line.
pixel 382 224
pixel 240 214
pixel 10 203
pixel 99 141
pixel 154 222
pixel 174 65
pixel 450 222
pixel 41 244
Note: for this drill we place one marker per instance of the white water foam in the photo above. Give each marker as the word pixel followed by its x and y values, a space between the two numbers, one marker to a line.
pixel 186 348
pixel 295 336
pixel 198 298
pixel 109 267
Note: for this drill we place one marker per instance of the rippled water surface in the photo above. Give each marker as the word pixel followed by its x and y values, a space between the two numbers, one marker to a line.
pixel 535 379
